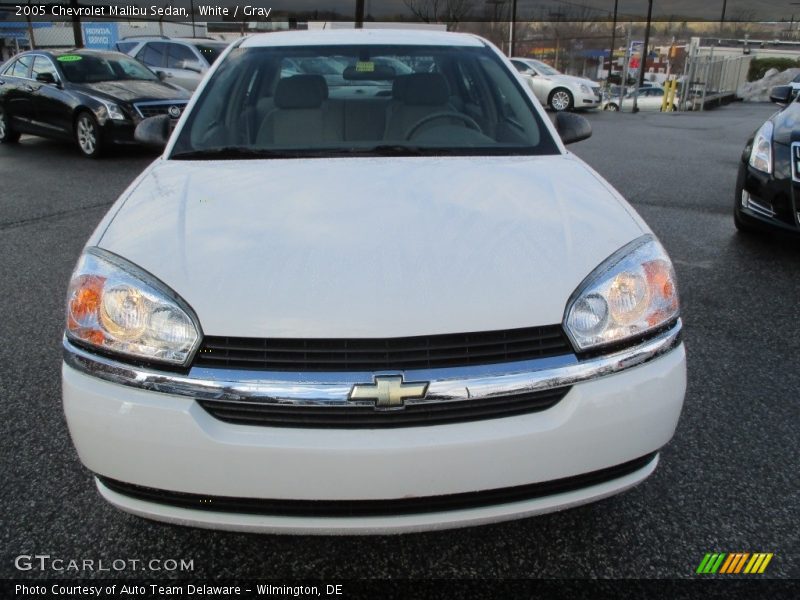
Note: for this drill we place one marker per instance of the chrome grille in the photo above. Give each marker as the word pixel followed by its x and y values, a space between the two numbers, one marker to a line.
pixel 153 109
pixel 377 354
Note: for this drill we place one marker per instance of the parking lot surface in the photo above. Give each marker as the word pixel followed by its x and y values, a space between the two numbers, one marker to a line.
pixel 726 483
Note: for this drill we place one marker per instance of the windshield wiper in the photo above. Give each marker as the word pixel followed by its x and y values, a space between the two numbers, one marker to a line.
pixel 233 153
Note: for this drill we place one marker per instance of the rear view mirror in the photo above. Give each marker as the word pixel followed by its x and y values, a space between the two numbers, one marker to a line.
pixel 153 132
pixel 781 95
pixel 368 72
pixel 572 128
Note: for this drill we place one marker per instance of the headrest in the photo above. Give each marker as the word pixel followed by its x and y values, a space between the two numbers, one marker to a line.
pixel 426 89
pixel 399 87
pixel 301 91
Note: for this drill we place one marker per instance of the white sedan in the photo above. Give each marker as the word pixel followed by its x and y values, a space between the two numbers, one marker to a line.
pixel 385 307
pixel 650 99
pixel 556 90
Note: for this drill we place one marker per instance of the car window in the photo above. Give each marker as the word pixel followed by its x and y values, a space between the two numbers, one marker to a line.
pixel 153 54
pixel 521 67
pixel 211 52
pixel 42 64
pixel 93 68
pixel 796 79
pixel 178 55
pixel 22 67
pixel 353 99
pixel 125 46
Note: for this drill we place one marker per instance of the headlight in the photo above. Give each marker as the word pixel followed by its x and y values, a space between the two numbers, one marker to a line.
pixel 761 154
pixel 631 293
pixel 585 89
pixel 115 306
pixel 114 111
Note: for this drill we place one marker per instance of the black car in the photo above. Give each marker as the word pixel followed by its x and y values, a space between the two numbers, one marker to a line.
pixel 768 186
pixel 95 98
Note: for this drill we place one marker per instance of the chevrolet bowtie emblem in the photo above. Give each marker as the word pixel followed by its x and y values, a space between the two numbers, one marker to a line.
pixel 388 392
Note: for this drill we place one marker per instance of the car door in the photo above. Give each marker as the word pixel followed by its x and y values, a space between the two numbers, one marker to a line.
pixel 18 99
pixel 653 99
pixel 184 67
pixel 51 102
pixel 154 55
pixel 540 87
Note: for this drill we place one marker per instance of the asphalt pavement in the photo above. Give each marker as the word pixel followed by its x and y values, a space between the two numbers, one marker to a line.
pixel 728 482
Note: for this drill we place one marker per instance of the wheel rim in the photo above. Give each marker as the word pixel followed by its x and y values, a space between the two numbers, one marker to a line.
pixel 612 107
pixel 560 100
pixel 87 138
pixel 2 125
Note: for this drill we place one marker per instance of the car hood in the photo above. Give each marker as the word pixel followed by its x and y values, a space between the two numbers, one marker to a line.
pixel 371 247
pixel 133 91
pixel 569 80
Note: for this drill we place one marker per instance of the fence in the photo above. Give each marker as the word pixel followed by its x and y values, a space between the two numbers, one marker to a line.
pixel 712 80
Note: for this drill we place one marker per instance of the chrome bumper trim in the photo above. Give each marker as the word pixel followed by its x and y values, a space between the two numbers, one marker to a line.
pixel 333 389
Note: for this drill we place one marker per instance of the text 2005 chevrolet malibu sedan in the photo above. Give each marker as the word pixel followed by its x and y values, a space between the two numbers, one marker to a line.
pixel 393 304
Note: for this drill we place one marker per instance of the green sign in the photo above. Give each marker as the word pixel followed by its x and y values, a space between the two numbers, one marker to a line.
pixel 69 58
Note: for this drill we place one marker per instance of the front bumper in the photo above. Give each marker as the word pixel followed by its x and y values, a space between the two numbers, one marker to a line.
pixel 158 443
pixel 771 200
pixel 590 100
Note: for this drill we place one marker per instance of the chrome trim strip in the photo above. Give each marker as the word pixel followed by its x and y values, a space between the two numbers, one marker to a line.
pixel 333 389
pixel 167 103
pixel 795 151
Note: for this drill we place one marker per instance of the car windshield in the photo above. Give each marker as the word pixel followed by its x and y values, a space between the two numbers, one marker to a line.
pixel 211 52
pixel 93 68
pixel 384 100
pixel 544 68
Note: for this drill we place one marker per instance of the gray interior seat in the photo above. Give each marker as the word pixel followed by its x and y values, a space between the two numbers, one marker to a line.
pixel 301 114
pixel 415 97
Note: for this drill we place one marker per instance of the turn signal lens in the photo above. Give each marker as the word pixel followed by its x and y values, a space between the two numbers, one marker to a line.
pixel 115 306
pixel 630 294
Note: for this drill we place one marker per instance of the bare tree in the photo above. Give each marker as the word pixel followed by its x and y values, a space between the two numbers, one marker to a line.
pixel 451 12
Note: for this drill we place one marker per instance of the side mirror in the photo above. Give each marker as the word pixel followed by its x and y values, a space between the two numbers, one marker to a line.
pixel 161 75
pixel 781 95
pixel 572 128
pixel 153 132
pixel 46 78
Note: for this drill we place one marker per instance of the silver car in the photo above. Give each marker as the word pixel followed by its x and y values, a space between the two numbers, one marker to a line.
pixel 180 61
pixel 556 90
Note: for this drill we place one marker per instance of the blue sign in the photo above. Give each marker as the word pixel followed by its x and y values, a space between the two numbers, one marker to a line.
pixel 100 36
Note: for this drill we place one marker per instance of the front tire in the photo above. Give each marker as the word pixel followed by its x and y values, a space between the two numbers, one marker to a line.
pixel 561 99
pixel 7 135
pixel 612 107
pixel 88 135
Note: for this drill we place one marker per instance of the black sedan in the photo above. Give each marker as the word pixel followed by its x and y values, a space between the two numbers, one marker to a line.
pixel 768 186
pixel 95 98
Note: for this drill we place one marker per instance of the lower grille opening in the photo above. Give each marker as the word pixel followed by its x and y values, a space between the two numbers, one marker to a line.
pixel 376 508
pixel 363 417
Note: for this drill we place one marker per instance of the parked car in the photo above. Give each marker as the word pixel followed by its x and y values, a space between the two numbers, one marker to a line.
pixel 182 61
pixel 766 196
pixel 556 90
pixel 650 98
pixel 94 98
pixel 331 311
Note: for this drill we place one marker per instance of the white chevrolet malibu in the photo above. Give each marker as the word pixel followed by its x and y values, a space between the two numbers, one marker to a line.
pixel 379 302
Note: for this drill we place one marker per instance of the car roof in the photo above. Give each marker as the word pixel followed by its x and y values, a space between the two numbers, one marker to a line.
pixel 342 37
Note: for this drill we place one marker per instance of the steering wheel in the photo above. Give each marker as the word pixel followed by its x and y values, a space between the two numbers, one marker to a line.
pixel 447 114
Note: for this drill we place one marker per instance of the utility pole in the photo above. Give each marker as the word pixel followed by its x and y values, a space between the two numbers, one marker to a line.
pixel 76 25
pixel 722 18
pixel 613 40
pixel 645 52
pixel 359 14
pixel 511 29
pixel 191 7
